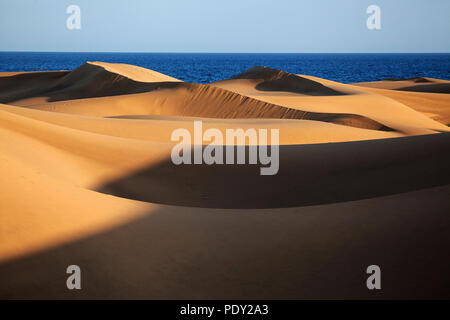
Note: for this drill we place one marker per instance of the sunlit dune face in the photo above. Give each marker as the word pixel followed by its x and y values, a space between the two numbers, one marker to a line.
pixel 87 153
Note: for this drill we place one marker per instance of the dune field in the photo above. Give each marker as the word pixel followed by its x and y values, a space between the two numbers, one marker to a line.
pixel 86 178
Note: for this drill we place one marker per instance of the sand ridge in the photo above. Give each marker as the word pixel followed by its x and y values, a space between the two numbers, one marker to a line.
pixel 86 176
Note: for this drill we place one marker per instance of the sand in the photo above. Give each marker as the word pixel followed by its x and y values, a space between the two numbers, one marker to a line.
pixel 87 179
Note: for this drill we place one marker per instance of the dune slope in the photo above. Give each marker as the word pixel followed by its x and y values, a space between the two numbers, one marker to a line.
pixel 87 179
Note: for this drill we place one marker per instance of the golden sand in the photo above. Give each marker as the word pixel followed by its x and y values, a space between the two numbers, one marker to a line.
pixel 86 178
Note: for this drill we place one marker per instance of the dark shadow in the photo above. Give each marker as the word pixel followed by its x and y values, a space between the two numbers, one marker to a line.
pixel 308 175
pixel 28 84
pixel 91 81
pixel 296 84
pixel 345 119
pixel 415 79
pixel 430 88
pixel 87 81
pixel 299 253
pixel 276 80
pixel 425 85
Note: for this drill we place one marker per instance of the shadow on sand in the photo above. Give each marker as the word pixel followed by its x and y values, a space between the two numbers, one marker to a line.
pixel 308 175
pixel 300 252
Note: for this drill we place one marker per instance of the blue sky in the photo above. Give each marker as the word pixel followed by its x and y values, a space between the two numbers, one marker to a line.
pixel 225 26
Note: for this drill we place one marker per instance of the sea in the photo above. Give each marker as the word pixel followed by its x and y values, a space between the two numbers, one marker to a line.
pixel 209 67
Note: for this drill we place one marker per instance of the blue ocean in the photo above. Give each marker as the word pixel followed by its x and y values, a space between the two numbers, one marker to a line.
pixel 208 67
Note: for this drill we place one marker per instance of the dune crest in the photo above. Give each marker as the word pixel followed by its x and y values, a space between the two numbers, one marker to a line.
pixel 267 79
pixel 140 122
pixel 87 177
pixel 351 99
pixel 134 72
pixel 92 79
pixel 418 84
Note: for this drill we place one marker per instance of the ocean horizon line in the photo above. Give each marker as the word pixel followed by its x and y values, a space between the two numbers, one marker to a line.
pixel 200 52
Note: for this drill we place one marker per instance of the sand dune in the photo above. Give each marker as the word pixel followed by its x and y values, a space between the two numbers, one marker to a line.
pixel 344 99
pixel 432 105
pixel 93 79
pixel 419 84
pixel 87 179
pixel 16 86
pixel 195 100
pixel 159 127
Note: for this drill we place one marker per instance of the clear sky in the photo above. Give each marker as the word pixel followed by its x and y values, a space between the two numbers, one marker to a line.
pixel 225 26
